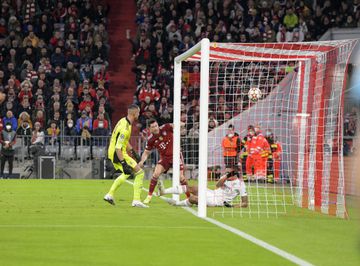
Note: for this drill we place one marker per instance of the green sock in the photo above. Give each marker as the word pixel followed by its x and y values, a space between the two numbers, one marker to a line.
pixel 117 183
pixel 138 184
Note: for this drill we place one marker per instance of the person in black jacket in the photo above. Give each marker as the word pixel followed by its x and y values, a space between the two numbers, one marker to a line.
pixel 7 140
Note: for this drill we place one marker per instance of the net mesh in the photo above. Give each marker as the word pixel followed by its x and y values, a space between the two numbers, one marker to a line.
pixel 299 113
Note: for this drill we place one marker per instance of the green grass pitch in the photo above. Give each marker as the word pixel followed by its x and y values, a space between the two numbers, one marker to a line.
pixel 66 222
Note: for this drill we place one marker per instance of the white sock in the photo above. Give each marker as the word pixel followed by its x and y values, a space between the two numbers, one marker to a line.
pixel 175 190
pixel 185 202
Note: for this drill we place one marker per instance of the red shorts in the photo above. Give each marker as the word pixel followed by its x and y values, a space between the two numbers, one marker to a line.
pixel 167 162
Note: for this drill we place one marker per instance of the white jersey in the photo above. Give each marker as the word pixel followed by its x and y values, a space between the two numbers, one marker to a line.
pixel 228 192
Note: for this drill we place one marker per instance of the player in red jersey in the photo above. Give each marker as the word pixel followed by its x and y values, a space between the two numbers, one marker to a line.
pixel 161 138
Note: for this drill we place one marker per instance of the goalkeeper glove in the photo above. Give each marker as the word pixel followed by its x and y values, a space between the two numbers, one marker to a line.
pixel 126 168
pixel 135 155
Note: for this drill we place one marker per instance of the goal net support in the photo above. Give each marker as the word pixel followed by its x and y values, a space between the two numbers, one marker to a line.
pixel 301 105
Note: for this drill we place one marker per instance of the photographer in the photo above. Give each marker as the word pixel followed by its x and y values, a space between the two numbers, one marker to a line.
pixel 7 140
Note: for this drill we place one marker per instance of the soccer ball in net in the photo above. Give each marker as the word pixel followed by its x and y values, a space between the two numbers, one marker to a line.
pixel 254 94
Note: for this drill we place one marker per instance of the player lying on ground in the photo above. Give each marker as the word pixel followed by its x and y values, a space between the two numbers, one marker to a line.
pixel 118 154
pixel 161 138
pixel 227 189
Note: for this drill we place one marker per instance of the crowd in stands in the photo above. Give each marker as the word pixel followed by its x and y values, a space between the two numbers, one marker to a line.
pixel 53 67
pixel 350 123
pixel 169 28
pixel 350 126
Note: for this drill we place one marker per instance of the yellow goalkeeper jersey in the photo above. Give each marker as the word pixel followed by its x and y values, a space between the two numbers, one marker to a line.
pixel 119 139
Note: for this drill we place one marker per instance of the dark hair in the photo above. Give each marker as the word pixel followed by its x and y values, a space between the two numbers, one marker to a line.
pixel 133 107
pixel 152 121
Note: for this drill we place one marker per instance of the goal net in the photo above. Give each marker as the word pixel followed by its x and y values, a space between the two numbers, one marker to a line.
pixel 292 94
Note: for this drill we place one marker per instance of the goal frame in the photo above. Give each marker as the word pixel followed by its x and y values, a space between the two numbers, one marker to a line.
pixel 201 53
pixel 204 47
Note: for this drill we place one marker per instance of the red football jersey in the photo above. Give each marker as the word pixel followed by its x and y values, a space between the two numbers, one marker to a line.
pixel 163 141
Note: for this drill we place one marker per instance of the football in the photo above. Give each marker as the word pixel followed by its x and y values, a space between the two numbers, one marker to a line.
pixel 254 94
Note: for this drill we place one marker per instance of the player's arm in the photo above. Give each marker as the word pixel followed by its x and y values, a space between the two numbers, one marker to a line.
pixel 133 153
pixel 120 143
pixel 221 181
pixel 144 157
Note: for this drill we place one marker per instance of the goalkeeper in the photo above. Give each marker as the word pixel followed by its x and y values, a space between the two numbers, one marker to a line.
pixel 118 154
pixel 228 188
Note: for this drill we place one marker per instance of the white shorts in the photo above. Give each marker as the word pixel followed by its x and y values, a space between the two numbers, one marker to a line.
pixel 243 191
pixel 212 199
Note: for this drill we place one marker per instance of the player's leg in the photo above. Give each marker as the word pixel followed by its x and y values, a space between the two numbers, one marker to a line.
pixel 11 164
pixel 184 182
pixel 270 169
pixel 243 167
pixel 159 169
pixel 244 202
pixel 182 189
pixel 258 168
pixel 185 203
pixel 243 195
pixel 121 178
pixel 277 164
pixel 262 170
pixel 249 167
pixel 138 183
pixel 3 160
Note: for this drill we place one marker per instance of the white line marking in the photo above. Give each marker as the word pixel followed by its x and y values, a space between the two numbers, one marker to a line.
pixel 248 237
pixel 254 240
pixel 104 226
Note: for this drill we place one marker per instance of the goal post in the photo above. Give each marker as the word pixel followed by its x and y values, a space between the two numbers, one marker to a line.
pixel 302 87
pixel 204 47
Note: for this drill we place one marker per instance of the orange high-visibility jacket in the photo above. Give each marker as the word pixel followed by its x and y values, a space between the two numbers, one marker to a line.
pixel 230 146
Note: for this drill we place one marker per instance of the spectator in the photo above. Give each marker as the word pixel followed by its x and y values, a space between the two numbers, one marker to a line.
pixel 84 122
pixel 102 75
pixel 291 19
pixel 70 130
pixel 86 102
pixel 24 117
pixel 7 140
pixel 35 49
pixel 53 132
pixel 71 74
pixel 11 119
pixel 25 90
pixel 101 122
pixel 25 131
pixel 39 117
pixel 101 126
pixel 58 58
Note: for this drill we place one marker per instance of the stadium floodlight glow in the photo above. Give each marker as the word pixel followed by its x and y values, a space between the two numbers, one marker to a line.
pixel 301 86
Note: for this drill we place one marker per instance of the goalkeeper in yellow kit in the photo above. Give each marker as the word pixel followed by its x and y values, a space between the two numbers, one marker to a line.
pixel 118 154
